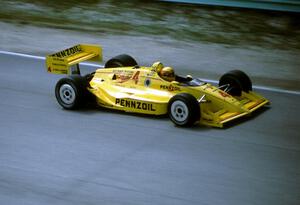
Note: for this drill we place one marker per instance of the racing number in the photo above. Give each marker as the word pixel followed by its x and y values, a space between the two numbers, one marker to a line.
pixel 136 77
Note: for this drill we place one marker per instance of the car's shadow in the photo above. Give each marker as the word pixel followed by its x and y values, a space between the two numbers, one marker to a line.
pixel 94 109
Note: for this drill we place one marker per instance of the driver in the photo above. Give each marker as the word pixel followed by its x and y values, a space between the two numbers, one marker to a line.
pixel 166 73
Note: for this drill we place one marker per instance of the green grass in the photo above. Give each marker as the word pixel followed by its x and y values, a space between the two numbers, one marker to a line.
pixel 181 22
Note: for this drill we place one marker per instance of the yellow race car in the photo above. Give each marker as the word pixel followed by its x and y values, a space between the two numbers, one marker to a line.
pixel 156 90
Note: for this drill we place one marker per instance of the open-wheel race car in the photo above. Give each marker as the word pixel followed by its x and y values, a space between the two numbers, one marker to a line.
pixel 124 85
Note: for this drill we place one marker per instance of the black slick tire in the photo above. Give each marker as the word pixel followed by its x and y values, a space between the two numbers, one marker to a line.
pixel 238 81
pixel 71 92
pixel 122 60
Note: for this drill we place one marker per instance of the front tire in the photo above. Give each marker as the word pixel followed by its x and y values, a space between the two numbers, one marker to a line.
pixel 70 92
pixel 184 109
pixel 237 80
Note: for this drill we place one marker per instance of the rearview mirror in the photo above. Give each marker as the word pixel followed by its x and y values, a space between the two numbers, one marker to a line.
pixel 175 82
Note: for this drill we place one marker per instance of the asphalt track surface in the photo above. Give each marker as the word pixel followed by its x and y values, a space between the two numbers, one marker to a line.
pixel 94 156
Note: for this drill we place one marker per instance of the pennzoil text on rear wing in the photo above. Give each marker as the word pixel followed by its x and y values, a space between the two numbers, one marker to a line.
pixel 66 61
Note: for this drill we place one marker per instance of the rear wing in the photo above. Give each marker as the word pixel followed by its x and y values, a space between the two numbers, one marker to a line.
pixel 66 61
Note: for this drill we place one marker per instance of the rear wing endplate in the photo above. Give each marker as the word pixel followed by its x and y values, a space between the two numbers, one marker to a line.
pixel 66 61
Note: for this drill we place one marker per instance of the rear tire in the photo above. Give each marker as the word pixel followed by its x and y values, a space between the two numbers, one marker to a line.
pixel 71 92
pixel 122 60
pixel 184 109
pixel 238 81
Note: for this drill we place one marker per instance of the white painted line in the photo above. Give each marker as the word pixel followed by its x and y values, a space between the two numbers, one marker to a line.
pixel 278 90
pixel 93 65
pixel 22 55
pixel 258 87
pixel 43 58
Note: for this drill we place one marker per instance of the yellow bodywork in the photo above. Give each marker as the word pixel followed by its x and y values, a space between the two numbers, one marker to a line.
pixel 141 90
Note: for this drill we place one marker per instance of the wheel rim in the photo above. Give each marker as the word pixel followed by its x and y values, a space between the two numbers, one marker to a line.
pixel 179 111
pixel 67 94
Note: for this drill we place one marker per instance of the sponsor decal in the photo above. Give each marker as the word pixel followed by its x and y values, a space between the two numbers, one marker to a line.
pixel 135 104
pixel 121 78
pixel 147 82
pixel 169 87
pixel 60 71
pixel 151 73
pixel 128 72
pixel 68 52
pixel 209 86
pixel 224 94
pixel 58 59
pixel 122 75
